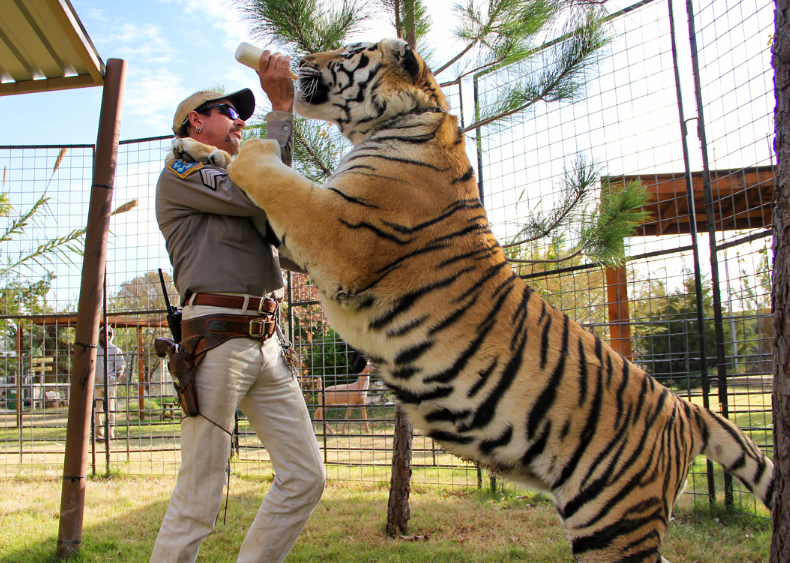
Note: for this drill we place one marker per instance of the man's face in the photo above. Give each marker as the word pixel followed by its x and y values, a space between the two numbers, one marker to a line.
pixel 218 129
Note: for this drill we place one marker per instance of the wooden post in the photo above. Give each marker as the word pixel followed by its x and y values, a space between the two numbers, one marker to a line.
pixel 400 486
pixel 75 466
pixel 617 306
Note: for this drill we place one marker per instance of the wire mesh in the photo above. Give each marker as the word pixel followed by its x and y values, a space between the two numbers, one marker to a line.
pixel 627 123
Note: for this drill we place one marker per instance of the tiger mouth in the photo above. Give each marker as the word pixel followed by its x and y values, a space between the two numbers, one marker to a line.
pixel 312 88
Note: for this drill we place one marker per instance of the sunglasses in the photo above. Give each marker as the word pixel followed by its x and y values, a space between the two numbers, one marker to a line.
pixel 224 109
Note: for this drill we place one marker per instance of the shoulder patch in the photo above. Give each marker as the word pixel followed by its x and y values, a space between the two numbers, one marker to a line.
pixel 184 169
pixel 211 176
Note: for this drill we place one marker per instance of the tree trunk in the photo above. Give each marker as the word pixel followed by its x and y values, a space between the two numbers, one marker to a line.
pixel 400 485
pixel 780 545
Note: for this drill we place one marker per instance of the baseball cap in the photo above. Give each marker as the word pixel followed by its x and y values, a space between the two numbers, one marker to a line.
pixel 243 101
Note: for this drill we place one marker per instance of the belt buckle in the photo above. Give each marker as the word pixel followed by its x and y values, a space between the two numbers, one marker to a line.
pixel 262 326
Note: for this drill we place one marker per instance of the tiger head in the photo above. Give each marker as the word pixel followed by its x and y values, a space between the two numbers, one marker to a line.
pixel 363 86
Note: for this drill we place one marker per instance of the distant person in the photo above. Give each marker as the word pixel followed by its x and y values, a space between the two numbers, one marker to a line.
pixel 114 375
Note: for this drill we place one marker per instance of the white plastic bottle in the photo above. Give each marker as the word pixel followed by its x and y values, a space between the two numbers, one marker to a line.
pixel 249 55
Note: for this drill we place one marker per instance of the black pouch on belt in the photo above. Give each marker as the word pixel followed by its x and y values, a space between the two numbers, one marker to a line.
pixel 181 364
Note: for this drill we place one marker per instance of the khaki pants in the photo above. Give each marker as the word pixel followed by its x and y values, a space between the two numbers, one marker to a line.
pixel 98 409
pixel 242 372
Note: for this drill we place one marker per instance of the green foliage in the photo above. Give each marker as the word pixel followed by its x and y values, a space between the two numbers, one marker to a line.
pixel 305 26
pixel 618 213
pixel 328 357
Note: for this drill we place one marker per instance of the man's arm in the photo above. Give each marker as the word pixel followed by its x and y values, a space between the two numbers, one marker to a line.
pixel 274 71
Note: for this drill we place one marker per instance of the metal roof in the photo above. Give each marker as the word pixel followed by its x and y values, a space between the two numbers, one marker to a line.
pixel 44 47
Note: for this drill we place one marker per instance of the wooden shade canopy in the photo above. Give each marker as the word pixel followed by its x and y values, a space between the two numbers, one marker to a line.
pixel 44 47
pixel 741 201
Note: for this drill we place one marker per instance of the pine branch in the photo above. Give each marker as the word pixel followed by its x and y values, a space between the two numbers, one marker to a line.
pixel 304 26
pixel 602 232
pixel 555 82
pixel 578 184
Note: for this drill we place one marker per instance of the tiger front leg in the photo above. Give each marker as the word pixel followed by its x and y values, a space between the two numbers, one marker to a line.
pixel 286 196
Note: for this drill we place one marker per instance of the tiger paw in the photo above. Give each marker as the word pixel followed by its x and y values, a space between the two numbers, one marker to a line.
pixel 258 159
pixel 190 150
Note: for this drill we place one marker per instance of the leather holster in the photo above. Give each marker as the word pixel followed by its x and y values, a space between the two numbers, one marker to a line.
pixel 182 366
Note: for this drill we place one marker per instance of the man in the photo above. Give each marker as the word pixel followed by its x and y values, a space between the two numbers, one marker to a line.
pixel 115 371
pixel 223 266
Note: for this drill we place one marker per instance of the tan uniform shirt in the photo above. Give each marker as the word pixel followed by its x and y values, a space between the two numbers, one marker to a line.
pixel 205 219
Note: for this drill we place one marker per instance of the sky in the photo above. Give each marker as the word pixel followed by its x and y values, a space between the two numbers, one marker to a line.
pixel 173 48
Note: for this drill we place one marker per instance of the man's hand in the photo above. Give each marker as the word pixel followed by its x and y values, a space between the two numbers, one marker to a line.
pixel 275 74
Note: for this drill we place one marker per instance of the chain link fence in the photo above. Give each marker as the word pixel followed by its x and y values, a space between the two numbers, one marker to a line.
pixel 681 102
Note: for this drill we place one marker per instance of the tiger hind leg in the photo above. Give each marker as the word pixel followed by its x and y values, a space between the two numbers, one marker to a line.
pixel 634 536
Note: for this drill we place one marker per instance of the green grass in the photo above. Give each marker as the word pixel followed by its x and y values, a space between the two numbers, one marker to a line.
pixel 123 515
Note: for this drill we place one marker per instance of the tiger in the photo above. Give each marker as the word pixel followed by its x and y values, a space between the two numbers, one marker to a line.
pixel 409 272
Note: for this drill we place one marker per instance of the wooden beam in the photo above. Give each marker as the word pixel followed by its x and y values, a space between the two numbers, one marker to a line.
pixel 47 85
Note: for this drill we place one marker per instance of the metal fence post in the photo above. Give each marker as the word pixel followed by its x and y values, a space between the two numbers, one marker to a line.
pixel 711 226
pixel 694 243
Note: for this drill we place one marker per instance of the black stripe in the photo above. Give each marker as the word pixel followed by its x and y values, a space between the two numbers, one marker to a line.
pixel 620 392
pixel 582 373
pixel 537 447
pixel 476 228
pixel 407 301
pixel 401 160
pixel 486 446
pixel 376 231
pixel 414 140
pixel 460 205
pixel 418 252
pixel 412 398
pixel 406 372
pixel 468 175
pixel 546 399
pixel 481 253
pixel 407 328
pixel 489 273
pixel 413 353
pixel 544 344
pixel 542 311
pixel 442 436
pixel 587 434
pixel 446 415
pixel 353 199
pixel 454 317
pixel 484 373
pixel 520 316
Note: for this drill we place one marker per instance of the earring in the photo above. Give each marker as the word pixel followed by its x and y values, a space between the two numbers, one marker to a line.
pixel 199 129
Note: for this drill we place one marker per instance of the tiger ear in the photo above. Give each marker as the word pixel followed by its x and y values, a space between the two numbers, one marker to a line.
pixel 400 53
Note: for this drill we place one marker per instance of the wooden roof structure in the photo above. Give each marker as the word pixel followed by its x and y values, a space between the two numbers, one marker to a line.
pixel 115 321
pixel 741 200
pixel 44 47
